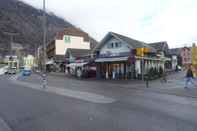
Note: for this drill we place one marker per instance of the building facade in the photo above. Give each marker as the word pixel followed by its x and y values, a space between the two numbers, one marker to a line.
pixel 186 54
pixel 29 61
pixel 120 57
pixel 70 38
pixel 171 55
pixel 177 53
pixel 194 55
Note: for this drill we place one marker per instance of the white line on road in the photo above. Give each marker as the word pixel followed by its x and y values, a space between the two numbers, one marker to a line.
pixel 86 96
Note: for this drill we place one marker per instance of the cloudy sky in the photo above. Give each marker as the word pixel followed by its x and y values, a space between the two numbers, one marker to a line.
pixel 174 21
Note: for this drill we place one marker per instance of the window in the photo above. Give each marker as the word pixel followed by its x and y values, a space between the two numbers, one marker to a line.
pixel 110 45
pixel 67 39
pixel 117 44
pixel 114 45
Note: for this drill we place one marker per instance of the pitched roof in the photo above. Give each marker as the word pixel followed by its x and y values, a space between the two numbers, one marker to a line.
pixel 159 46
pixel 134 43
pixel 175 51
pixel 73 32
pixel 78 52
pixel 131 42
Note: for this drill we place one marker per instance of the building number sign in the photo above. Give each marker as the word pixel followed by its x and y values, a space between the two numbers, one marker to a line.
pixel 67 39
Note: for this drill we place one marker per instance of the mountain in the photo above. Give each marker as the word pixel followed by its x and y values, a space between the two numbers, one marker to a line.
pixel 25 20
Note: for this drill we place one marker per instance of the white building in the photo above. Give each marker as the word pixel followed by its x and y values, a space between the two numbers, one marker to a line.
pixel 29 61
pixel 70 38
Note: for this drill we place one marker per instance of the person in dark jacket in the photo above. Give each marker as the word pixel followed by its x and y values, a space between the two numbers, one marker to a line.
pixel 189 77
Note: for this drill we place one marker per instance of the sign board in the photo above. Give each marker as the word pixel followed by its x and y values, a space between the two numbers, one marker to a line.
pixel 142 51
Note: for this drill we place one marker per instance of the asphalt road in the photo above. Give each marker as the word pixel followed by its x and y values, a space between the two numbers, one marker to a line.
pixel 27 109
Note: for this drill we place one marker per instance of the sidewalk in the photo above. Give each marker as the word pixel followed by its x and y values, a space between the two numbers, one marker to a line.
pixel 174 86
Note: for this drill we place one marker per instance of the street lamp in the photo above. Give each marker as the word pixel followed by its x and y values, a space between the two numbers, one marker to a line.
pixel 142 51
pixel 44 36
pixel 44 46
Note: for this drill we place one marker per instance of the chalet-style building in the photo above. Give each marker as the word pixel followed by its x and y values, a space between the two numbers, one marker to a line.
pixel 121 57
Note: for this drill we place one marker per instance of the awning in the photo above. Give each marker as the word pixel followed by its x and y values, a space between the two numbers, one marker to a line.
pixel 111 59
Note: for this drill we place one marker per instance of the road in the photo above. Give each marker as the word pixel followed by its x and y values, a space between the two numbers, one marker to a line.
pixel 28 109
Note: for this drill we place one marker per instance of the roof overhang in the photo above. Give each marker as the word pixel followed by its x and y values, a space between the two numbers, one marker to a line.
pixel 114 59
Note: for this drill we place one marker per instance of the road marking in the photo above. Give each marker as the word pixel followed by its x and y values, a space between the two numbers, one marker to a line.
pixel 15 77
pixel 86 96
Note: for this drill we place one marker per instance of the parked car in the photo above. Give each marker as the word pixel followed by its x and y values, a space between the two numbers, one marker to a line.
pixel 26 72
pixel 80 70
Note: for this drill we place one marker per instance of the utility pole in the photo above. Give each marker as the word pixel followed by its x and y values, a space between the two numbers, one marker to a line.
pixel 142 50
pixel 44 80
pixel 11 40
pixel 44 36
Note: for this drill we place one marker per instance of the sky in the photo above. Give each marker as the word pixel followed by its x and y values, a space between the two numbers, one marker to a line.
pixel 174 21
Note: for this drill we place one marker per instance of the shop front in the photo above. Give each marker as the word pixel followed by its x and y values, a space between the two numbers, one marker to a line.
pixel 121 57
pixel 114 68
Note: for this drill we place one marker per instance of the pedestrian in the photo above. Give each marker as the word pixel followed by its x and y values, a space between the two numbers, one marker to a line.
pixel 164 77
pixel 113 75
pixel 189 78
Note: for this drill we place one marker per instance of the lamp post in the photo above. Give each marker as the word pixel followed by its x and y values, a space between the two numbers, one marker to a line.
pixel 142 51
pixel 44 36
pixel 44 84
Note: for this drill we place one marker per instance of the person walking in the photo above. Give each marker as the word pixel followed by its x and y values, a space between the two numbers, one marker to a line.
pixel 164 77
pixel 189 78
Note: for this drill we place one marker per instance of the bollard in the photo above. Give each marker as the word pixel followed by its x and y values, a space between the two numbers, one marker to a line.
pixel 44 81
